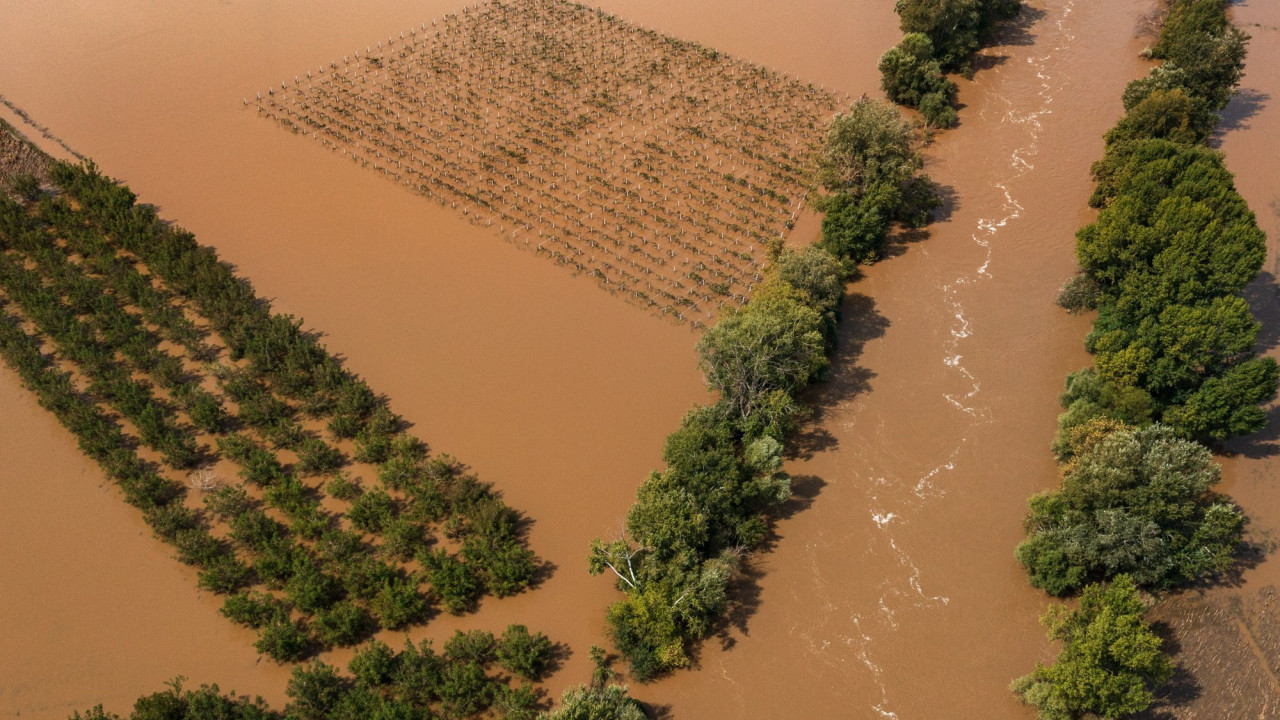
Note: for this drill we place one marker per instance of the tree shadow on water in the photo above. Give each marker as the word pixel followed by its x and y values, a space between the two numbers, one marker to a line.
pixel 1020 30
pixel 1244 106
pixel 845 379
pixel 1182 688
pixel 901 238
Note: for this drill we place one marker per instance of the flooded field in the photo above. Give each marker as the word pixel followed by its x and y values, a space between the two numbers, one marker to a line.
pixel 661 168
pixel 556 392
pixel 1228 636
pixel 892 590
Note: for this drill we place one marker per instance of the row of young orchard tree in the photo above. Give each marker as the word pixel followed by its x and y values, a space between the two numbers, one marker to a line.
pixel 1175 368
pixel 693 522
pixel 471 677
pixel 145 345
pixel 116 320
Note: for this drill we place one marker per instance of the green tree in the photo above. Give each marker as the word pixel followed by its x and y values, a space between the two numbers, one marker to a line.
pixel 255 609
pixel 1203 52
pixel 374 665
pixel 591 703
pixel 523 653
pixel 774 343
pixel 1088 397
pixel 452 580
pixel 1110 660
pixel 869 168
pixel 868 145
pixel 816 274
pixel 341 624
pixel 314 690
pixel 911 76
pixel 372 511
pixel 283 641
pixel 957 28
pixel 465 690
pixel 1136 502
pixel 1171 115
pixel 477 646
pixel 952 26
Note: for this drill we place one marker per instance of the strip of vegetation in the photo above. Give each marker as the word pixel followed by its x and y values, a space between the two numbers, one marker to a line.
pixel 941 36
pixel 693 522
pixel 101 281
pixel 323 583
pixel 1175 366
pixel 473 677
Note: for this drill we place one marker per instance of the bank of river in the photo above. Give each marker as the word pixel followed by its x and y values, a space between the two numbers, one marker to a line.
pixel 892 591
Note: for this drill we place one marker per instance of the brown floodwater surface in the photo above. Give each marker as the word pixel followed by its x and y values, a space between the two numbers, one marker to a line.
pixel 895 593
pixel 1227 633
pixel 892 589
pixel 1248 136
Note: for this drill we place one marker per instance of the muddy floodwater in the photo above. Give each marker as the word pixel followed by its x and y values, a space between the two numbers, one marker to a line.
pixel 891 591
pixel 895 593
pixel 1229 635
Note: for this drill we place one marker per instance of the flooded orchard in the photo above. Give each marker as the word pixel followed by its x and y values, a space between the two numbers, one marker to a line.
pixel 891 590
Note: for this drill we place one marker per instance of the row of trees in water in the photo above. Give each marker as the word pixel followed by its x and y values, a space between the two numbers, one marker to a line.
pixel 470 677
pixel 1175 368
pixel 145 345
pixel 694 521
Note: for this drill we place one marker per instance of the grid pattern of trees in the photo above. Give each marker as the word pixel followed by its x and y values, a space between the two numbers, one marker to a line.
pixel 661 168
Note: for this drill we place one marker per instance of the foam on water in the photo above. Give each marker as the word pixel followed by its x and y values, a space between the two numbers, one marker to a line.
pixel 909 590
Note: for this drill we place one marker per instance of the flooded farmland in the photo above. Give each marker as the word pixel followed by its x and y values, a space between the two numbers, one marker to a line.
pixel 891 590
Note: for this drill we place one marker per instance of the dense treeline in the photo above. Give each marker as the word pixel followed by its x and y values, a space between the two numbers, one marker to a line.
pixel 1175 366
pixel 101 281
pixel 940 37
pixel 1164 264
pixel 693 522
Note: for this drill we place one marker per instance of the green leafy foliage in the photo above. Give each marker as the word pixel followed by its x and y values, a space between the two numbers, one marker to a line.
pixel 255 609
pixel 593 703
pixel 956 28
pixel 452 580
pixel 523 653
pixel 1110 660
pixel 870 169
pixel 911 76
pixel 775 342
pixel 1169 254
pixel 1134 502
pixel 1203 55
pixel 283 641
pixel 341 624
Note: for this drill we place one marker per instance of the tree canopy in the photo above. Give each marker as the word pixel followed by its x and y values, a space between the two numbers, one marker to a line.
pixel 911 76
pixel 1110 660
pixel 956 28
pixel 870 169
pixel 1135 502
